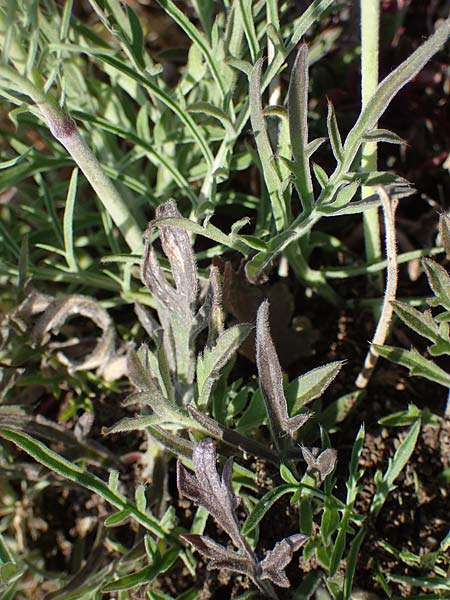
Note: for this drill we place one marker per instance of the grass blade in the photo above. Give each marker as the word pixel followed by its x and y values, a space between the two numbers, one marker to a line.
pixel 68 222
pixel 53 461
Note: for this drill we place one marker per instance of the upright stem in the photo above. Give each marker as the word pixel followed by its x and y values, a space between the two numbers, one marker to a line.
pixel 370 29
pixel 64 129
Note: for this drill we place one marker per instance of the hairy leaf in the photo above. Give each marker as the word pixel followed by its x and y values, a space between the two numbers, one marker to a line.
pixel 322 462
pixel 334 134
pixel 417 364
pixel 220 557
pixel 311 385
pixel 298 126
pixel 271 380
pixel 439 281
pixel 214 359
pixel 277 559
pixel 211 491
pixel 422 323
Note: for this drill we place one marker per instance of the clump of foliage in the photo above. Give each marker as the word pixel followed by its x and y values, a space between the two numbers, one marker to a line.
pixel 95 109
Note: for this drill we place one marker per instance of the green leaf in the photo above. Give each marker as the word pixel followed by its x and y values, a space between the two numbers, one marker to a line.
pixel 137 37
pixel 197 37
pixel 214 359
pixel 298 126
pixel 334 134
pixel 421 323
pixel 385 484
pixel 117 519
pixel 246 14
pixel 264 505
pixel 68 222
pixel 352 559
pixel 439 281
pixel 382 135
pixel 255 415
pixel 53 461
pixel 417 364
pixel 444 231
pixel 311 385
pixel 146 575
pixel 287 476
pixel 320 174
pixel 389 88
pixel 209 109
pixel 271 174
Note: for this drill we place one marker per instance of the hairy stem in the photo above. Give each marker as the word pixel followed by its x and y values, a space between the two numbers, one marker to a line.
pixel 64 129
pixel 381 332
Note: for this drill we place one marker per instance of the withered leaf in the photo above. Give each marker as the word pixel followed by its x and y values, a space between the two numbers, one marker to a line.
pixel 59 311
pixel 215 494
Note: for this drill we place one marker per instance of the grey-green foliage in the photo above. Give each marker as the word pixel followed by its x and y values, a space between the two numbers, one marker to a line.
pixel 175 378
pixel 338 189
pixel 433 326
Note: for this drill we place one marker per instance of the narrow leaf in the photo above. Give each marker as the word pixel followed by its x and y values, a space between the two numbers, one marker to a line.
pixel 264 505
pixel 334 134
pixel 68 222
pixel 417 364
pixel 311 385
pixel 382 135
pixel 389 87
pixel 396 466
pixel 298 126
pixel 209 365
pixel 271 380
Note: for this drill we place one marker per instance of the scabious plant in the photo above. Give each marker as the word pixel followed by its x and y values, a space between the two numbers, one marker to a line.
pixel 177 382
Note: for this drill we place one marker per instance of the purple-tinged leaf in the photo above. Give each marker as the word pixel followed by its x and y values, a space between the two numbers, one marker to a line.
pixel 271 380
pixel 322 462
pixel 177 247
pixel 211 491
pixel 220 557
pixel 276 560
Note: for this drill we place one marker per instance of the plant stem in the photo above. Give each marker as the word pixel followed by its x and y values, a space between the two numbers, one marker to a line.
pixel 379 338
pixel 64 129
pixel 370 29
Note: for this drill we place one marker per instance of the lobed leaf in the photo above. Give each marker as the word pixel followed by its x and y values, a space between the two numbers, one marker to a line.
pixel 277 559
pixel 211 491
pixel 421 323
